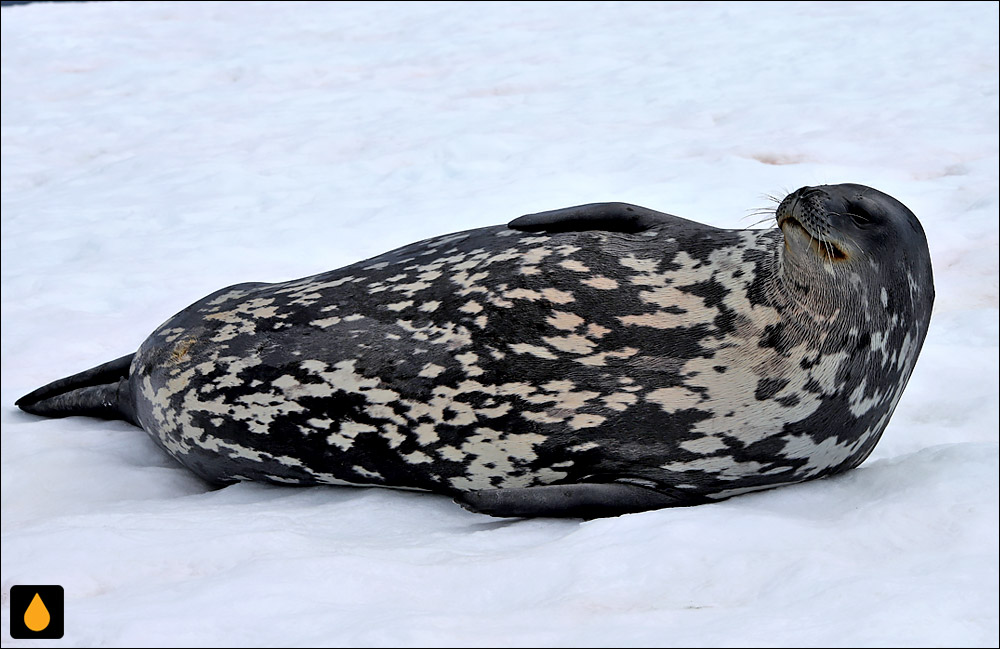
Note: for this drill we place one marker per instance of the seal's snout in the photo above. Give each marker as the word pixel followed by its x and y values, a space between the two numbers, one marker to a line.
pixel 801 198
pixel 804 214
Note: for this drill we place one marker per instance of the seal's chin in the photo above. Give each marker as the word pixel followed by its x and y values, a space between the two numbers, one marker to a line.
pixel 824 248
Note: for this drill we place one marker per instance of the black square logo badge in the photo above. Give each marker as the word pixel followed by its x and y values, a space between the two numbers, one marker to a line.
pixel 36 612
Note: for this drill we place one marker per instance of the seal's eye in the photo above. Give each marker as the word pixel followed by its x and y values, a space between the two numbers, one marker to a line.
pixel 860 216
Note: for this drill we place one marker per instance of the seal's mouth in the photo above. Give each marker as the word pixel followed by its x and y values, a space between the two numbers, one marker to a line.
pixel 825 248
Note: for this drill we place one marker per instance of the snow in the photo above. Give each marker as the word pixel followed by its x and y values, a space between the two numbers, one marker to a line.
pixel 155 152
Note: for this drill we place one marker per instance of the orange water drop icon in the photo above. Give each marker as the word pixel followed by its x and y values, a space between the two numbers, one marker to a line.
pixel 37 616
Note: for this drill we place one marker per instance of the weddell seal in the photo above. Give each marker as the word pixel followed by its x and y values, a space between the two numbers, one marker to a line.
pixel 589 361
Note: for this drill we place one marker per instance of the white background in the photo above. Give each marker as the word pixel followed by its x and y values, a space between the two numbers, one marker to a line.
pixel 155 152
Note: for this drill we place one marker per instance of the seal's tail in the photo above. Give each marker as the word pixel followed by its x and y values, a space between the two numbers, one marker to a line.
pixel 101 392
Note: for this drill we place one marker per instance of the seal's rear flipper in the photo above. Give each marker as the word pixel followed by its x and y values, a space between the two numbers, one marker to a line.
pixel 586 500
pixel 101 391
pixel 611 217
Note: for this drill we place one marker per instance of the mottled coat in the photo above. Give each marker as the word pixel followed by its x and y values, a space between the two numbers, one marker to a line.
pixel 600 344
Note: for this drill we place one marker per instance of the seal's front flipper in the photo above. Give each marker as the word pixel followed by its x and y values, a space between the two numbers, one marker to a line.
pixel 611 217
pixel 586 500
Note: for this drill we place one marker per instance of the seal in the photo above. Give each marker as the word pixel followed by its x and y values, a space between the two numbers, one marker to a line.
pixel 588 361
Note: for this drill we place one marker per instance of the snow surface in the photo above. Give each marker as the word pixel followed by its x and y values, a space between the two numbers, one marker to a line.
pixel 154 152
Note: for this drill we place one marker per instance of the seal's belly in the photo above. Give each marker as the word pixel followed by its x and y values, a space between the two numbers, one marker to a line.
pixel 489 360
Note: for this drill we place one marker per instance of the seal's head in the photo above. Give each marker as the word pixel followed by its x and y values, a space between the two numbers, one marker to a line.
pixel 856 238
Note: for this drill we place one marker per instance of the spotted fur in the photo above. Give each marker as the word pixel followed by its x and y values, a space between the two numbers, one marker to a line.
pixel 565 349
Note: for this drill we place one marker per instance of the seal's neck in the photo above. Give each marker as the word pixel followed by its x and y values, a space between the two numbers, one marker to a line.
pixel 804 292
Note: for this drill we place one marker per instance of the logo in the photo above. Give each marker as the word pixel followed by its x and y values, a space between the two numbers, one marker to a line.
pixel 36 612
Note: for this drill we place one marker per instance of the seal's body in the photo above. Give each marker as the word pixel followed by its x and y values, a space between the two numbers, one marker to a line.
pixel 588 361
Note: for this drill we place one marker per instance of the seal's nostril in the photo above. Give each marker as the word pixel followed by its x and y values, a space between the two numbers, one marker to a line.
pixel 813 192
